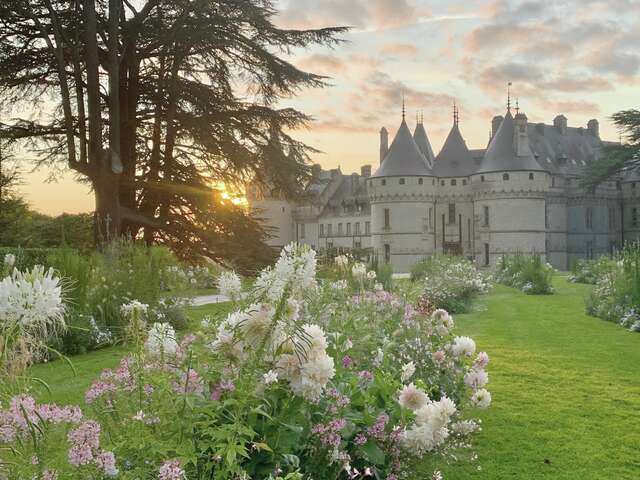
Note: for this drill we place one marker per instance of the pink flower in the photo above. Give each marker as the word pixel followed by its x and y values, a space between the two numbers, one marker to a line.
pixel 438 356
pixel 170 470
pixel 346 361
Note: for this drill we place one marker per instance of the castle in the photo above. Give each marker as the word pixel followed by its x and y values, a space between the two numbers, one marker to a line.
pixel 521 194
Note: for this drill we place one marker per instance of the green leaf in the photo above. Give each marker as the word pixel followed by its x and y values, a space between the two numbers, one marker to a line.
pixel 373 453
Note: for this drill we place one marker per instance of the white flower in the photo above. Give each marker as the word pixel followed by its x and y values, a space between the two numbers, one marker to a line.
pixel 342 261
pixel 464 427
pixel 481 398
pixel 161 340
pixel 377 361
pixel 134 307
pixel 229 285
pixel 9 260
pixel 296 269
pixel 408 369
pixel 412 397
pixel 270 377
pixel 348 344
pixel 463 346
pixel 33 300
pixel 339 285
pixel 378 287
pixel 430 429
pixel 443 321
pixel 371 275
pixel 476 378
pixel 359 270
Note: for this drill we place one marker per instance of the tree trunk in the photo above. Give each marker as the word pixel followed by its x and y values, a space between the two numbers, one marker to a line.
pixel 108 214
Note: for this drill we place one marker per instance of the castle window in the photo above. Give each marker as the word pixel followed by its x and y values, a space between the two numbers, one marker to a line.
pixel 485 215
pixel 302 230
pixel 634 217
pixel 589 249
pixel 430 217
pixel 322 229
pixel 505 176
pixel 348 228
pixel 340 229
pixel 329 245
pixel 482 178
pixel 420 180
pixel 329 229
pixel 553 181
pixel 453 182
pixel 464 181
pixel 452 214
pixel 356 226
pixel 402 181
pixel 387 219
pixel 357 245
pixel 387 252
pixel 547 221
pixel 383 182
pixel 612 218
pixel 530 176
pixel 367 228
pixel 442 182
pixel 633 185
pixel 486 254
pixel 588 220
pixel 282 209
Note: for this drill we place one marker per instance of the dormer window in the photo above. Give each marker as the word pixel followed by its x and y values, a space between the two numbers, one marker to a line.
pixel 402 181
pixel 505 176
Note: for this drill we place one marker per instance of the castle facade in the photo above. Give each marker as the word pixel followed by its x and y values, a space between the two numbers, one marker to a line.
pixel 521 194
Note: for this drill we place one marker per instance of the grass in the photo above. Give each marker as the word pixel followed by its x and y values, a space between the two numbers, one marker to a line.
pixel 565 387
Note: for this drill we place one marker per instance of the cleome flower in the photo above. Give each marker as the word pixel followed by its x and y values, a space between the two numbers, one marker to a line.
pixel 229 285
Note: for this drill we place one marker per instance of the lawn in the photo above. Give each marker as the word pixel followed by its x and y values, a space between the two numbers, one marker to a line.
pixel 565 386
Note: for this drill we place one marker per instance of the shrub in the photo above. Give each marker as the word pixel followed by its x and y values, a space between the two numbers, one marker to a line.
pixel 590 271
pixel 616 295
pixel 525 272
pixel 449 282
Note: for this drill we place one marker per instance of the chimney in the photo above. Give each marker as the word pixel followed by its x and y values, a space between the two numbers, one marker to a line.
pixel 384 143
pixel 521 136
pixel 495 124
pixel 560 122
pixel 594 127
pixel 316 170
pixel 365 171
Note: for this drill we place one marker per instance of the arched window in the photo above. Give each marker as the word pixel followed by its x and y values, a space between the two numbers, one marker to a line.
pixel 505 176
pixel 531 176
pixel 420 181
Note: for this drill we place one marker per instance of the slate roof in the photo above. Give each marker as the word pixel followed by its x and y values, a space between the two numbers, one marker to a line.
pixel 501 153
pixel 422 140
pixel 455 159
pixel 404 157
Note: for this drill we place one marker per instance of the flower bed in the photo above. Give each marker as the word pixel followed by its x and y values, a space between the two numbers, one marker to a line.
pixel 616 295
pixel 449 283
pixel 591 271
pixel 303 379
pixel 527 273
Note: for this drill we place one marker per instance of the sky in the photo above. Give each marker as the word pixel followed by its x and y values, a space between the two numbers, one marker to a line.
pixel 580 58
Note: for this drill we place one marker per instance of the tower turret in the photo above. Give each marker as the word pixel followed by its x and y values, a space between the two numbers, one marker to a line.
pixel 384 143
pixel 520 135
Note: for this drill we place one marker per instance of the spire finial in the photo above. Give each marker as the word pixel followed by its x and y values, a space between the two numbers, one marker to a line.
pixel 403 106
pixel 509 96
pixel 456 116
pixel 517 105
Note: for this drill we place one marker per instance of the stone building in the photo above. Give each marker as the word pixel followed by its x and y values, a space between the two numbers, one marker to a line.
pixel 520 194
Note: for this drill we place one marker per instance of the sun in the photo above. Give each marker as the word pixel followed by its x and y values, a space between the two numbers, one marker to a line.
pixel 231 195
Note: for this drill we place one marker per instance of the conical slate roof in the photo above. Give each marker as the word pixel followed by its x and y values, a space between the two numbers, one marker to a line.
pixel 454 160
pixel 404 157
pixel 421 139
pixel 501 153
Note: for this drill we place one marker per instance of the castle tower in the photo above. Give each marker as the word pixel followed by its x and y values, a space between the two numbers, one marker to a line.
pixel 454 204
pixel 384 143
pixel 422 140
pixel 401 193
pixel 509 191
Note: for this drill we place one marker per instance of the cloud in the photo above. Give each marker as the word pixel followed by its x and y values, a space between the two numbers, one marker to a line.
pixel 399 50
pixel 619 63
pixel 323 64
pixel 356 13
